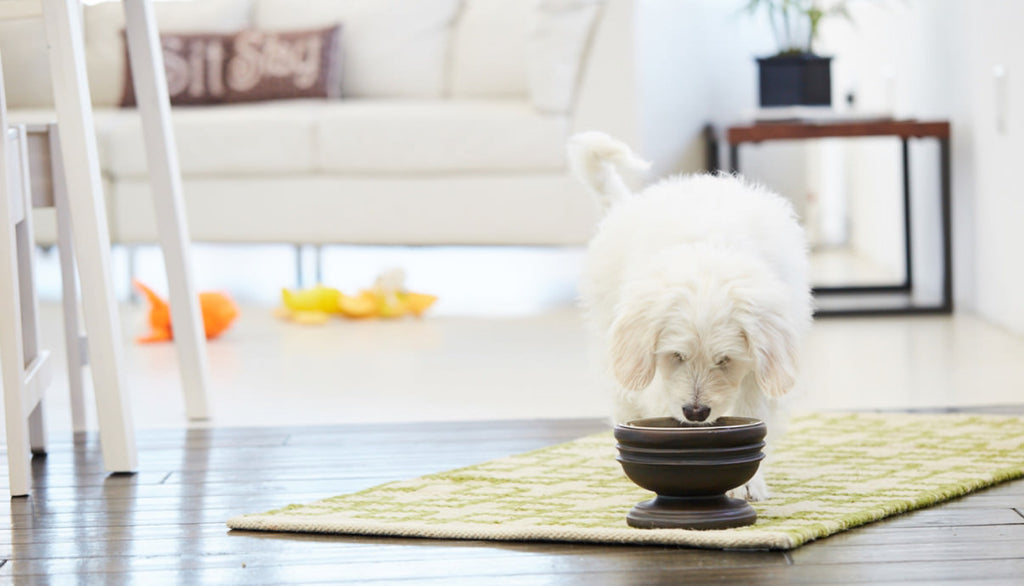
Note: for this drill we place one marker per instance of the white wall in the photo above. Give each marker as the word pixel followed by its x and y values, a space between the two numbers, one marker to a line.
pixel 695 66
pixel 690 62
pixel 995 40
pixel 695 59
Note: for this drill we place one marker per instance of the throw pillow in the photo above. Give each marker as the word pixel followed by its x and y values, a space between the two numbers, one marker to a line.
pixel 247 66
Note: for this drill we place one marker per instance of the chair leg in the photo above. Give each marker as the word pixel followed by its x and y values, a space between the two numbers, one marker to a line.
pixel 165 179
pixel 12 357
pixel 92 240
pixel 73 342
pixel 37 431
pixel 24 246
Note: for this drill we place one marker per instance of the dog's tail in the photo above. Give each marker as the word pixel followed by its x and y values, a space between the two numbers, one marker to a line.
pixel 597 161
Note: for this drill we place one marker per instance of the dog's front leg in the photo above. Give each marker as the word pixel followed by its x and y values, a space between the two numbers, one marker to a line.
pixel 756 489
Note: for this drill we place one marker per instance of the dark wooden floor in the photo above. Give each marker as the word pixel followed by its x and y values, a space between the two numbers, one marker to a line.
pixel 166 523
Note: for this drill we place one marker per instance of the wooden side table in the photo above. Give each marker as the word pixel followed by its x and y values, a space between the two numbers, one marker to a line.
pixel 737 135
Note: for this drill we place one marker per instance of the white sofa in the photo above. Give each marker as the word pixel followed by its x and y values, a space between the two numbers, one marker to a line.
pixel 450 130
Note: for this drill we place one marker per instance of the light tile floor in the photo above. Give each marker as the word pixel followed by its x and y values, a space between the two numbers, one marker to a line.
pixel 267 372
pixel 505 342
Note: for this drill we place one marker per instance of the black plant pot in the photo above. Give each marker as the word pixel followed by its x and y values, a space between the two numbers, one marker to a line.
pixel 804 79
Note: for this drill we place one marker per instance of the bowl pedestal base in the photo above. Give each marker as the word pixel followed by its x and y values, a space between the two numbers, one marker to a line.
pixel 710 512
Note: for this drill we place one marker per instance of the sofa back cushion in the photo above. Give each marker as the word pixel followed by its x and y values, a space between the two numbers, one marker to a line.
pixel 26 63
pixel 532 49
pixel 557 50
pixel 106 58
pixel 489 49
pixel 390 48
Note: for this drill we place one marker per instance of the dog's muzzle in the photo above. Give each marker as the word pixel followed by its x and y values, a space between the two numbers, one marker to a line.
pixel 696 412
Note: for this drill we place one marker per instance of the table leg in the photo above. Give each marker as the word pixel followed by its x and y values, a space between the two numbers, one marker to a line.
pixel 165 180
pixel 947 225
pixel 91 236
pixel 908 282
pixel 711 163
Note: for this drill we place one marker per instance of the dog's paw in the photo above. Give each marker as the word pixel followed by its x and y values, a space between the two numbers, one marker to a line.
pixel 753 491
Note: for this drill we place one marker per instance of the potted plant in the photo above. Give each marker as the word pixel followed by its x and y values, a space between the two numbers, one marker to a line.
pixel 796 76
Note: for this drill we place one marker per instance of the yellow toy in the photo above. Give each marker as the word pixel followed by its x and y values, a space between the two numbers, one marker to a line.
pixel 309 306
pixel 318 298
pixel 387 298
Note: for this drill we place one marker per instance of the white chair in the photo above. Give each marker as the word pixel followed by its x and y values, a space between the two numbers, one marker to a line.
pixel 78 159
pixel 23 365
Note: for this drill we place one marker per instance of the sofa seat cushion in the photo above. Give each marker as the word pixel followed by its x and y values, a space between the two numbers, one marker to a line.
pixel 407 136
pixel 259 138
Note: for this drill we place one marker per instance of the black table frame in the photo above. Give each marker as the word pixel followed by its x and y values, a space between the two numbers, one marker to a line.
pixel 904 130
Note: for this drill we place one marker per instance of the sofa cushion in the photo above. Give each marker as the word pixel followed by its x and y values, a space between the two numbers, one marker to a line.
pixel 405 136
pixel 104 43
pixel 557 48
pixel 473 209
pixel 257 138
pixel 489 49
pixel 390 48
pixel 249 66
pixel 26 62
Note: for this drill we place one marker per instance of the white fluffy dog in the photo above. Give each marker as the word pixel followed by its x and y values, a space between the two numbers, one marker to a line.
pixel 696 290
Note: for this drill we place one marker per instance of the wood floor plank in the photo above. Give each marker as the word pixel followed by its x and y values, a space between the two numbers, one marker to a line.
pixel 397 562
pixel 875 536
pixel 940 516
pixel 926 551
pixel 544 569
pixel 285 549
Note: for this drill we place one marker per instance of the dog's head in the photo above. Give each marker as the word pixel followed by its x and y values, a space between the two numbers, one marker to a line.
pixel 703 324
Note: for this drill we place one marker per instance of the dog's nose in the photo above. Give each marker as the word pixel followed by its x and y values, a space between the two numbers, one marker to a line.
pixel 696 412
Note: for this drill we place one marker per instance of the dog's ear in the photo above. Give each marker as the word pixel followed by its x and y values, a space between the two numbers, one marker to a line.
pixel 634 338
pixel 773 341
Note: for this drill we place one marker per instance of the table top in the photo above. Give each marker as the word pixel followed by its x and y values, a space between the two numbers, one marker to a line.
pixel 802 129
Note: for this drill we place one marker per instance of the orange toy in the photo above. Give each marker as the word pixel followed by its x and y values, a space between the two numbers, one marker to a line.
pixel 219 311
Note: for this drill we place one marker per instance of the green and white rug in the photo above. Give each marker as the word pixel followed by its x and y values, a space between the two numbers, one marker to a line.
pixel 829 473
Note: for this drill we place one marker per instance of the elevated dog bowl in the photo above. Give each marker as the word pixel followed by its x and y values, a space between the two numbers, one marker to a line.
pixel 691 467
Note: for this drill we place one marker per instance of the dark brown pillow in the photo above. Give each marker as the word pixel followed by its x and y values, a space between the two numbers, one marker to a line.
pixel 250 65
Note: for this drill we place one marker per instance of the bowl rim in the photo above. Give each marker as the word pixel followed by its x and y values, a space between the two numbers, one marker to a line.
pixel 683 462
pixel 746 422
pixel 697 452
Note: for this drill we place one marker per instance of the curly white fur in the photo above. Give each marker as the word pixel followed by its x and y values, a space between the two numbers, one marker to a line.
pixel 696 291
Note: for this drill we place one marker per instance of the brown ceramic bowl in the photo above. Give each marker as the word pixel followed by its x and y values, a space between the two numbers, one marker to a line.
pixel 691 467
pixel 679 459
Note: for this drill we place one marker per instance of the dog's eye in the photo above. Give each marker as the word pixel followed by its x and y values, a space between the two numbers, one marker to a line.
pixel 680 357
pixel 722 361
